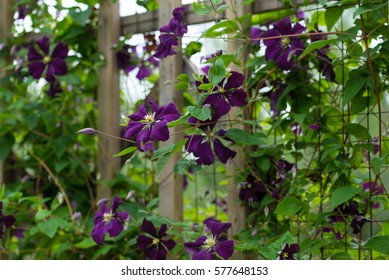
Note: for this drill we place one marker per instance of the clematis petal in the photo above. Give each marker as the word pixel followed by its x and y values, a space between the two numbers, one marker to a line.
pixel 236 98
pixel 60 51
pixel 194 247
pixel 132 129
pixel 225 248
pixel 283 26
pixel 234 81
pixel 44 44
pixel 33 55
pixel 60 67
pixel 36 69
pixel 98 233
pixel 158 132
pixel 140 114
pixel 222 152
pixel 143 241
pixel 143 72
pixel 168 113
pixel 218 103
pixel 8 220
pixel 217 228
pixel 162 231
pixel 202 255
pixel 114 228
pixel 169 244
pixel 148 227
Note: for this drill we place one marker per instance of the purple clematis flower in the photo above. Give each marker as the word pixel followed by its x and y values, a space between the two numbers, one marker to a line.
pixel 108 220
pixel 287 252
pixel 281 47
pixel 5 220
pixel 375 189
pixel 148 127
pixel 41 59
pixel 203 145
pixel 155 247
pixel 252 190
pixel 347 210
pixel 171 32
pixel 325 62
pixel 274 95
pixel 228 93
pixel 214 244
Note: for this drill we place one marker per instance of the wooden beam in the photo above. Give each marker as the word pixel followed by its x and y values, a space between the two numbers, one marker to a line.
pixel 108 96
pixel 171 186
pixel 149 21
pixel 236 210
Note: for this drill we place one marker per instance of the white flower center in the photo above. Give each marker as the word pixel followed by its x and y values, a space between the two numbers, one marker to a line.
pixel 155 241
pixel 46 59
pixel 285 41
pixel 149 118
pixel 107 217
pixel 209 243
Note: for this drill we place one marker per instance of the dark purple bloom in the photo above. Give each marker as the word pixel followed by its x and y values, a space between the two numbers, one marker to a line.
pixel 296 128
pixel 54 88
pixel 154 245
pixel 283 168
pixel 207 144
pixel 314 126
pixel 274 95
pixel 375 189
pixel 255 34
pixel 280 46
pixel 325 62
pixel 214 244
pixel 108 220
pixel 287 252
pixel 40 59
pixel 349 210
pixel 252 190
pixel 148 127
pixel 22 12
pixel 124 60
pixel 227 93
pixel 171 32
pixel 19 233
pixel 5 220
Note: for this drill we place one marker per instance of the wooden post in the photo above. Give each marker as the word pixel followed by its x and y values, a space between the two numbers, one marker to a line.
pixel 108 96
pixel 170 188
pixel 6 22
pixel 236 210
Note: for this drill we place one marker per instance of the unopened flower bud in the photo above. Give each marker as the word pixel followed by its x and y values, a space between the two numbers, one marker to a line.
pixel 87 131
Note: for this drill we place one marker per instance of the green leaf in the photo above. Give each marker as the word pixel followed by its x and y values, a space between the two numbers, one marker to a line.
pixel 192 48
pixel 271 251
pixel 81 17
pixel 365 8
pixel 223 27
pixel 357 130
pixel 217 72
pixel 201 8
pixel 352 88
pixel 243 137
pixel 202 114
pixel 342 195
pixel 379 244
pixel 316 45
pixel 152 203
pixel 126 151
pixel 6 143
pixel 165 153
pixel 48 227
pixel 289 206
pixel 216 2
pixel 378 162
pixel 332 16
pixel 86 243
pixel 41 214
pixel 70 78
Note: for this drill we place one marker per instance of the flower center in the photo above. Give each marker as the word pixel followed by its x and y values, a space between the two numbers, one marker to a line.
pixel 46 60
pixel 149 118
pixel 107 217
pixel 209 243
pixel 156 241
pixel 285 255
pixel 285 41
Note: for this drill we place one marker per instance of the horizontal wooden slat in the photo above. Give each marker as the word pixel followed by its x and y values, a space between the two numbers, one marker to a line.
pixel 148 22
